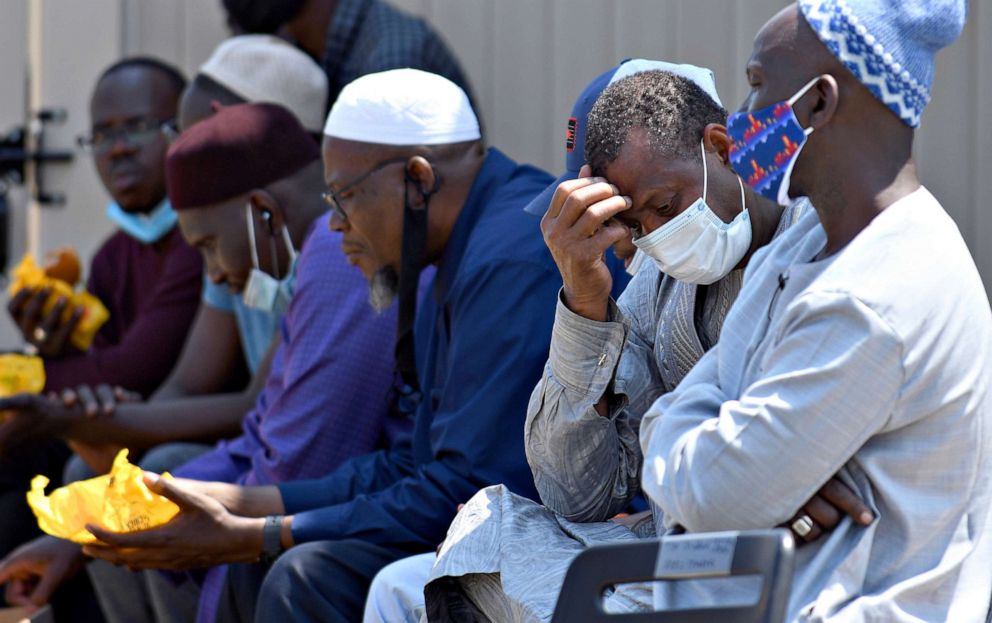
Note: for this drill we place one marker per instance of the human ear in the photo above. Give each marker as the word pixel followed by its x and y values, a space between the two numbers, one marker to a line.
pixel 422 174
pixel 716 139
pixel 821 102
pixel 271 212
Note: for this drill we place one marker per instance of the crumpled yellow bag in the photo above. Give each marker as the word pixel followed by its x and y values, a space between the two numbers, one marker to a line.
pixel 118 501
pixel 21 374
pixel 28 274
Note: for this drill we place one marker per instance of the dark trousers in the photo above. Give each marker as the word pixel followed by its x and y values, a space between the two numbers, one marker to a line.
pixel 74 600
pixel 322 581
pixel 17 468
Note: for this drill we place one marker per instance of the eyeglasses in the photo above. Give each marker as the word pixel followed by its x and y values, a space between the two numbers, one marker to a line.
pixel 133 134
pixel 331 197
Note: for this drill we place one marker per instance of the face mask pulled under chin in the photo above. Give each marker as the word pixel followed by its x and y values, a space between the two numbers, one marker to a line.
pixel 263 292
pixel 146 228
pixel 697 246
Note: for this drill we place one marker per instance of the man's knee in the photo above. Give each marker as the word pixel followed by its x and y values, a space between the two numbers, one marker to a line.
pixel 170 456
pixel 322 581
pixel 397 592
pixel 76 469
pixel 289 577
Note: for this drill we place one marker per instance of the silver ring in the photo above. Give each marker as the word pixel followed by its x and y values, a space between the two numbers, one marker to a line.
pixel 802 526
pixel 39 335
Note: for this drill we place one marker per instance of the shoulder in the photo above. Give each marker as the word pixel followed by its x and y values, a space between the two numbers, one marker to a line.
pixel 891 255
pixel 108 260
pixel 387 31
pixel 504 233
pixel 321 259
pixel 116 245
pixel 384 19
pixel 891 265
pixel 799 232
pixel 178 252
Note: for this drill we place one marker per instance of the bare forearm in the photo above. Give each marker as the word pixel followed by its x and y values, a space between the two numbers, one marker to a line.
pixel 203 418
pixel 242 500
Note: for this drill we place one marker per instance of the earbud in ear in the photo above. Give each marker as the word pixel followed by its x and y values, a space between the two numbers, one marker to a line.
pixel 267 217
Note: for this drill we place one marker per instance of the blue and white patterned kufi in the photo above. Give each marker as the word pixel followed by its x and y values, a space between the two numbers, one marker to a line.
pixel 889 45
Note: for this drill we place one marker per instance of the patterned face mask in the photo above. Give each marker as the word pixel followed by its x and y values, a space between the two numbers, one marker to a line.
pixel 766 146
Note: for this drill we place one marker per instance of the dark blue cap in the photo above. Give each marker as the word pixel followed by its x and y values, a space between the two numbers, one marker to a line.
pixel 575 140
pixel 575 133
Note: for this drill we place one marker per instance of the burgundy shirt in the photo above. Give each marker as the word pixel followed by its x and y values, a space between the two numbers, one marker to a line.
pixel 152 292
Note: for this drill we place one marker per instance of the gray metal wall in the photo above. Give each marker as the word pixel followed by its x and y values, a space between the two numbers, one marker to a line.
pixel 528 59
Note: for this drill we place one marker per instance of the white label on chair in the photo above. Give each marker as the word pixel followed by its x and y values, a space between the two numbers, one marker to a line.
pixel 695 555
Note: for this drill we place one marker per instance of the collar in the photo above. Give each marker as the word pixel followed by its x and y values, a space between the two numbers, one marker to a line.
pixel 345 26
pixel 495 171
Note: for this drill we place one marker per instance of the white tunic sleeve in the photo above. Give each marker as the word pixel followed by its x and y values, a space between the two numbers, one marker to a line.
pixel 719 460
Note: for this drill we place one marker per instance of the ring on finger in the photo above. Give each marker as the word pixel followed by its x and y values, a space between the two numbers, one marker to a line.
pixel 802 526
pixel 39 334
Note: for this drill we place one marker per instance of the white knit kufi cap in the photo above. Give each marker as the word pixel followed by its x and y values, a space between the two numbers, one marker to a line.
pixel 403 107
pixel 263 68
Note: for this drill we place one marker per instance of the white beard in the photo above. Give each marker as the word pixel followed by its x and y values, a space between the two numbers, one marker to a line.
pixel 383 289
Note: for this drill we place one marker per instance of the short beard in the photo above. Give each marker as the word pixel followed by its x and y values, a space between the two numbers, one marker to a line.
pixel 383 289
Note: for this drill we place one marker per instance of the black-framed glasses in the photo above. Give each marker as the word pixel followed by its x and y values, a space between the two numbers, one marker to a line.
pixel 331 197
pixel 133 134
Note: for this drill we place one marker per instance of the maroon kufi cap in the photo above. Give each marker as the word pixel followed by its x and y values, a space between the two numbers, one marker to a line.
pixel 239 149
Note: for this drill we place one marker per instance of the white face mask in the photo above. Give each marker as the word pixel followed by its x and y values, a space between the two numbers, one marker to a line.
pixel 635 263
pixel 263 291
pixel 697 246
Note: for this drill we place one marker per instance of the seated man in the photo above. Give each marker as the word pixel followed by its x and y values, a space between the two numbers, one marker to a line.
pixel 246 183
pixel 403 159
pixel 145 274
pixel 850 347
pixel 227 335
pixel 658 136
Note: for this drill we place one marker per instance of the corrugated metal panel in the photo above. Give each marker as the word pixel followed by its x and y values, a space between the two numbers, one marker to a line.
pixel 528 59
pixel 537 56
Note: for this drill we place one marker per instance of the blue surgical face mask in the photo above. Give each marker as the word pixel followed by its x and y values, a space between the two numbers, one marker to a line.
pixel 146 228
pixel 263 291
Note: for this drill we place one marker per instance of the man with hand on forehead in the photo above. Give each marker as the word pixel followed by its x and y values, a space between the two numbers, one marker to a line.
pixel 246 184
pixel 658 155
pixel 850 348
pixel 411 185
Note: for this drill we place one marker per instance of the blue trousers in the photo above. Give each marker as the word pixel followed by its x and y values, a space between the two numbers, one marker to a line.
pixel 323 581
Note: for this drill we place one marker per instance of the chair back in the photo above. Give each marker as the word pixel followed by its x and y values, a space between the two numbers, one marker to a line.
pixel 768 553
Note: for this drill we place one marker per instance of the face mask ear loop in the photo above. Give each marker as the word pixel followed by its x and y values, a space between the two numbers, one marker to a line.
pixel 792 100
pixel 251 236
pixel 743 203
pixel 806 87
pixel 289 244
pixel 705 174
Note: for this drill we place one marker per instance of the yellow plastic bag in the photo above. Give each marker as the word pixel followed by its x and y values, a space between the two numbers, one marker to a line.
pixel 21 374
pixel 29 275
pixel 118 501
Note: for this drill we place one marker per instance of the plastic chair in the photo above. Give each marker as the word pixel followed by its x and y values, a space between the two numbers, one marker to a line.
pixel 768 553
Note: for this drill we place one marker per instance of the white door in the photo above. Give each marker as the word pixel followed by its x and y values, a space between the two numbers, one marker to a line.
pixel 53 50
pixel 52 53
